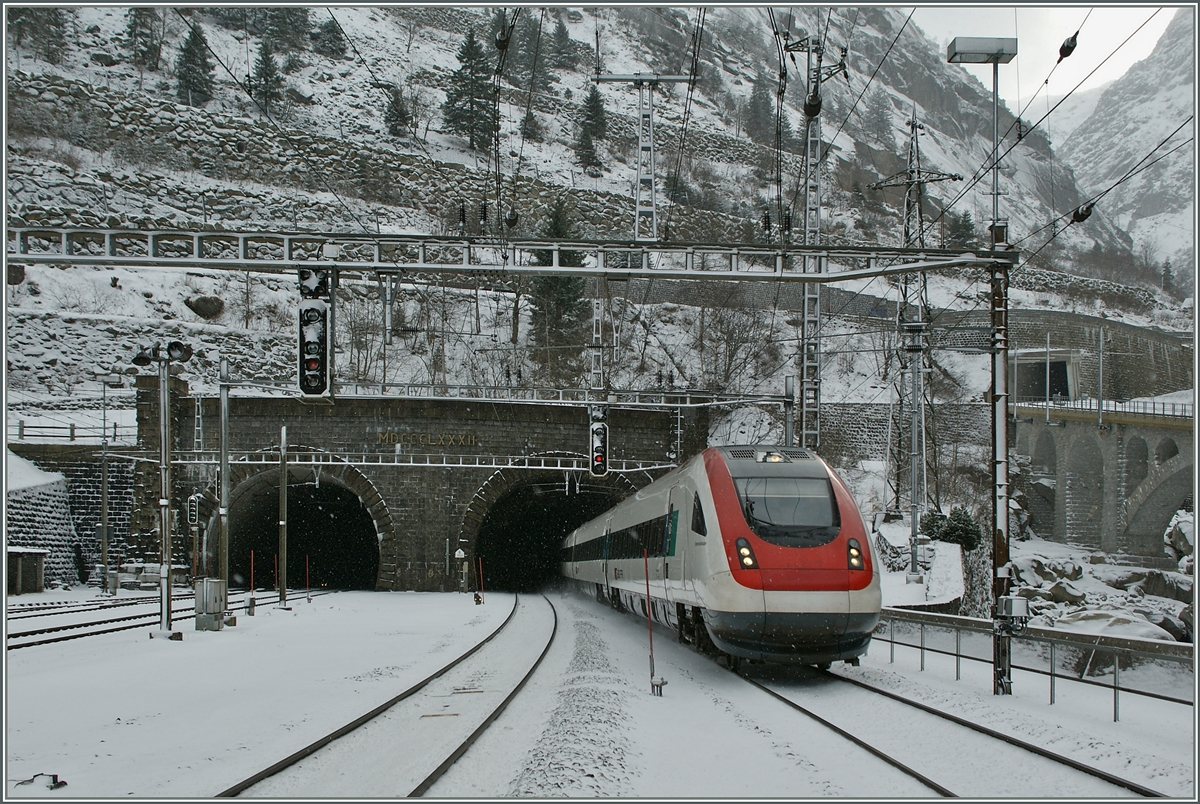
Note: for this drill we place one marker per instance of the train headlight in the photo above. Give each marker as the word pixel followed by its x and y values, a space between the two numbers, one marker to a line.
pixel 746 554
pixel 854 554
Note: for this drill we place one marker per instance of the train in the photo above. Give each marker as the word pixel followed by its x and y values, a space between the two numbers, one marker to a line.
pixel 750 552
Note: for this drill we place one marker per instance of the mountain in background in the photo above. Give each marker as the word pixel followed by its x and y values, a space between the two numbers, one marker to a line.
pixel 1137 112
pixel 1070 111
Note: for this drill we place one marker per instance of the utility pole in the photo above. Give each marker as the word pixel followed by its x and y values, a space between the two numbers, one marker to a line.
pixel 810 309
pixel 281 579
pixel 913 179
pixel 645 208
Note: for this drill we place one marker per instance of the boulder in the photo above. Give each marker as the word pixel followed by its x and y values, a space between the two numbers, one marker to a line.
pixel 1170 585
pixel 1169 623
pixel 1065 592
pixel 207 307
pixel 105 59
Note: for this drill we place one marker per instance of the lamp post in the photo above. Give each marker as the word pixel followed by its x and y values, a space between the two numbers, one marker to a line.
pixel 105 381
pixel 180 353
pixel 1007 611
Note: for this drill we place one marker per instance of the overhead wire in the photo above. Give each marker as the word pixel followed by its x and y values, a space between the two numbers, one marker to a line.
pixel 983 170
pixel 697 38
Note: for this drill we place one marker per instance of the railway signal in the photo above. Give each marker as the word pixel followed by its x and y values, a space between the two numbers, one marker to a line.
pixel 599 463
pixel 314 331
pixel 314 283
pixel 314 347
pixel 193 510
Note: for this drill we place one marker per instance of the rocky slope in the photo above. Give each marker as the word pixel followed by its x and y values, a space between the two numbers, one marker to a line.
pixel 1140 110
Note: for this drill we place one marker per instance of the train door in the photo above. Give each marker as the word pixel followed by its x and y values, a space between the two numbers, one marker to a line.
pixel 677 542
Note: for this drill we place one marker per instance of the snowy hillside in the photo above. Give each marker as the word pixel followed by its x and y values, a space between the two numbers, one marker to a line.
pixel 1142 109
pixel 1071 111
pixel 94 140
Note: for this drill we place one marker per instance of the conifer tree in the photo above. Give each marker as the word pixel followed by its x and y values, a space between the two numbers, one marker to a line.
pixel 759 120
pixel 143 34
pixel 1168 276
pixel 527 61
pixel 193 70
pixel 558 311
pixel 960 230
pixel 468 107
pixel 287 28
pixel 531 127
pixel 397 117
pixel 960 528
pixel 877 119
pixel 44 27
pixel 268 82
pixel 585 149
pixel 593 115
pixel 562 51
pixel 329 41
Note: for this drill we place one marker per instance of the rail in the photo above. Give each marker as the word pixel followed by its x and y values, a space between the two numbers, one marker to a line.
pixel 1059 649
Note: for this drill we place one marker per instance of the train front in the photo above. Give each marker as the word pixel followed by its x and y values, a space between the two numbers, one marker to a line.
pixel 797 581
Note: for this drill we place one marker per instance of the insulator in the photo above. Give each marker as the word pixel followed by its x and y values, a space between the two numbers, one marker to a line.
pixel 1081 213
pixel 483 211
pixel 511 218
pixel 787 221
pixel 462 215
pixel 766 222
pixel 502 41
pixel 812 105
pixel 1068 46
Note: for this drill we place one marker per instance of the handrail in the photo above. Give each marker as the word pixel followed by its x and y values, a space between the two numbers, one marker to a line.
pixel 1137 407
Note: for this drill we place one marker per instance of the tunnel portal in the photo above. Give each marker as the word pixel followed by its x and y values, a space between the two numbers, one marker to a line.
pixel 327 524
pixel 519 537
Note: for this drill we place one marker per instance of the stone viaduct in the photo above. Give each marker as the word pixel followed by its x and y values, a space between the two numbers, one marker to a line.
pixel 1110 486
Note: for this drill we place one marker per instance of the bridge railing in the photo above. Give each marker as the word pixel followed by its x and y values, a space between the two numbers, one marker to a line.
pixel 564 396
pixel 1057 654
pixel 1166 410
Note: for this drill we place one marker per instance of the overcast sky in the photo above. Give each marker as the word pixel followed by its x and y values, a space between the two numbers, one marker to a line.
pixel 1040 30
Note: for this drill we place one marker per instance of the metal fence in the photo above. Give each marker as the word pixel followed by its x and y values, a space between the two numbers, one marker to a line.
pixel 22 431
pixel 1058 655
pixel 1164 410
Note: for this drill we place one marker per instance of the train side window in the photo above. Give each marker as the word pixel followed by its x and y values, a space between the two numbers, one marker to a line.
pixel 698 517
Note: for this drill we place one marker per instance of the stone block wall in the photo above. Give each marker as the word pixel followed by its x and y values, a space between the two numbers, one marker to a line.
pixel 40 516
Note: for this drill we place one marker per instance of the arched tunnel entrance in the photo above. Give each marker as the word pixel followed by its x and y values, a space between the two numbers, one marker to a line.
pixel 327 526
pixel 519 537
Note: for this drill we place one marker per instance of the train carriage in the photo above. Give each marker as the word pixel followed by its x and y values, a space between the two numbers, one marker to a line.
pixel 757 551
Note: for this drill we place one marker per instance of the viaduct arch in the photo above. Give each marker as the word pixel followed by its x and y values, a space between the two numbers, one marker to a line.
pixel 1111 487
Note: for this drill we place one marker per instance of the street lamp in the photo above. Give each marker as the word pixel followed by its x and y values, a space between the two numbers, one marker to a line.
pixel 105 381
pixel 180 353
pixel 1007 611
pixel 994 51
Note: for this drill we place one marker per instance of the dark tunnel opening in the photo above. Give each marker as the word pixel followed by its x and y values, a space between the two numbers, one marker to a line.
pixel 520 535
pixel 327 525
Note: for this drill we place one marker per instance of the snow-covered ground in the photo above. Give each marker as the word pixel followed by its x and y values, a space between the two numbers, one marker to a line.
pixel 124 716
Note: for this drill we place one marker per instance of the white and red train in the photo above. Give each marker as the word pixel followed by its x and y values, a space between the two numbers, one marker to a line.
pixel 757 551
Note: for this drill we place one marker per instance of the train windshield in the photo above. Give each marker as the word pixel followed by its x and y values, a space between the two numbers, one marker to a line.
pixel 790 511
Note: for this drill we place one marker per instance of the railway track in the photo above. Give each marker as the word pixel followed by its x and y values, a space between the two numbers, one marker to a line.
pixel 50 634
pixel 924 742
pixel 402 747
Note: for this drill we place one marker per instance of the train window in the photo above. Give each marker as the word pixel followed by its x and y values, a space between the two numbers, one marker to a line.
pixel 790 511
pixel 698 517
